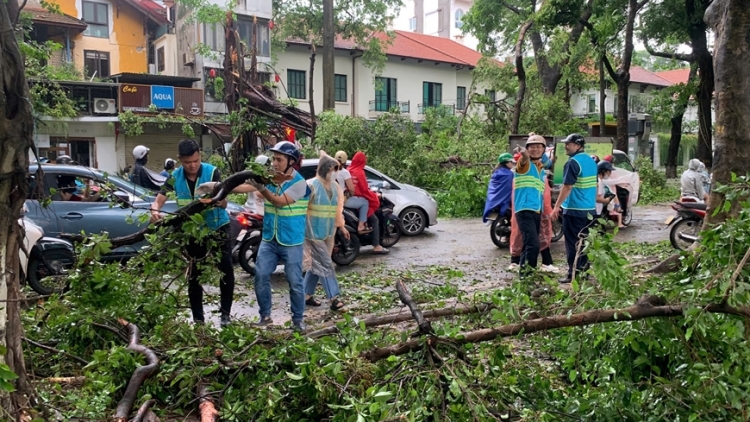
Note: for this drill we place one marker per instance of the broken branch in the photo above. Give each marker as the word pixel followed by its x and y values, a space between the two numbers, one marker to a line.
pixel 403 293
pixel 82 361
pixel 206 407
pixel 143 411
pixel 139 375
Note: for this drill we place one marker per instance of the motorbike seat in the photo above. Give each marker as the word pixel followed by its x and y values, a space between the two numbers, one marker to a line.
pixel 694 205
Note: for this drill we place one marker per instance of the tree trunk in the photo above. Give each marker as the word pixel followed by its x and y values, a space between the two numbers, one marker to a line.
pixel 676 132
pixel 697 31
pixel 521 74
pixel 310 90
pixel 602 99
pixel 623 77
pixel 16 129
pixel 329 80
pixel 730 19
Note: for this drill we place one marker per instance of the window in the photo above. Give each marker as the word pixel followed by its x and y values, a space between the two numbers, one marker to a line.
pixel 432 94
pixel 213 36
pixel 412 24
pixel 592 103
pixel 160 65
pixel 637 104
pixel 339 87
pixel 385 94
pixel 295 83
pixel 459 18
pixel 461 97
pixel 96 64
pixel 262 37
pixel 490 93
pixel 96 15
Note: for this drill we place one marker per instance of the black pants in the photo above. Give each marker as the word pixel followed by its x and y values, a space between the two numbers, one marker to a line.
pixel 199 252
pixel 529 223
pixel 374 222
pixel 574 229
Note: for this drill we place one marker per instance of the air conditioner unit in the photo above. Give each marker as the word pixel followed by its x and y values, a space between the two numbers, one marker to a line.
pixel 104 106
pixel 152 69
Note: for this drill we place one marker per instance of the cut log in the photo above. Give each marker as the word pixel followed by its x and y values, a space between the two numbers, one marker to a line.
pixel 140 374
pixel 646 307
pixel 207 410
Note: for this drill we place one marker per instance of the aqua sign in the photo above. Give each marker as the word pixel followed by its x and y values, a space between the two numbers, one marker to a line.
pixel 162 96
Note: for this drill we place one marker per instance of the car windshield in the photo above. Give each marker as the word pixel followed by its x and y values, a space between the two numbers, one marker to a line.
pixel 122 183
pixel 622 161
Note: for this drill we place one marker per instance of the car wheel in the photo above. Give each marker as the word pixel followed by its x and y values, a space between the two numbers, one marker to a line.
pixel 413 221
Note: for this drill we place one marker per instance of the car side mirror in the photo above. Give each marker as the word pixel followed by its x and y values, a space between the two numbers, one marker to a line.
pixel 122 199
pixel 385 185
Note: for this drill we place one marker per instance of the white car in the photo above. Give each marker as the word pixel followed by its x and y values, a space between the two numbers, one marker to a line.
pixel 415 208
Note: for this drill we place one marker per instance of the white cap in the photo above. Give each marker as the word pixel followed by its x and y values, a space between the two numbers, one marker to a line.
pixel 139 152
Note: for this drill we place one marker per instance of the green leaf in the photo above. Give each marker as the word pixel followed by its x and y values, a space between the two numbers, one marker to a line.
pixel 294 376
pixel 573 375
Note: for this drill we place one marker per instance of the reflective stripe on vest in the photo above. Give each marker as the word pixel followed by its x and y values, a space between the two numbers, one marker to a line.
pixel 214 217
pixel 583 195
pixel 287 223
pixel 528 190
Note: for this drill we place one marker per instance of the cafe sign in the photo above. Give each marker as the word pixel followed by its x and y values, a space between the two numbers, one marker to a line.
pixel 181 101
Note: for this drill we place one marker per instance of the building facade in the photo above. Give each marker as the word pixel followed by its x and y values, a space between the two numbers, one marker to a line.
pixel 440 18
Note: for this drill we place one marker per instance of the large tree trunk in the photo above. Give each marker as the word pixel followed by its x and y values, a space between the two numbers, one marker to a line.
pixel 329 80
pixel 521 74
pixel 730 20
pixel 311 100
pixel 623 76
pixel 16 129
pixel 697 31
pixel 602 99
pixel 676 132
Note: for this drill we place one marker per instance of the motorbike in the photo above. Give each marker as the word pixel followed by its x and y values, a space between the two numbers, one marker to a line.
pixel 248 240
pixel 47 261
pixel 500 229
pixel 345 252
pixel 686 223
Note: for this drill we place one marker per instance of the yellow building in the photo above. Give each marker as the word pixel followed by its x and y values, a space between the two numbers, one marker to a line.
pixel 101 37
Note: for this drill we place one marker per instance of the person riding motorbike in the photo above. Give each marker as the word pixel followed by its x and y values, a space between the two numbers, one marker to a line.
pixel 500 188
pixel 607 204
pixel 344 179
pixel 169 164
pixel 362 189
pixel 142 176
pixel 691 182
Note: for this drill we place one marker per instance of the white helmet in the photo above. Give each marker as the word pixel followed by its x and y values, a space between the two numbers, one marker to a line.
pixel 263 160
pixel 139 152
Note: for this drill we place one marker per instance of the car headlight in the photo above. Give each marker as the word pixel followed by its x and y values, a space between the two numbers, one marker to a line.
pixel 427 194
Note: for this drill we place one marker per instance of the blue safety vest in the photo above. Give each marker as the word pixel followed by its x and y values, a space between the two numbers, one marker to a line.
pixel 528 190
pixel 214 217
pixel 286 223
pixel 583 195
pixel 321 214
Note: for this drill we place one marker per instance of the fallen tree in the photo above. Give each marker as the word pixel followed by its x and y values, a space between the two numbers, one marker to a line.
pixel 645 307
pixel 122 414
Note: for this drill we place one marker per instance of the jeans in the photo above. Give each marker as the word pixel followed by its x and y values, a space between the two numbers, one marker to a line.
pixel 572 228
pixel 330 285
pixel 199 251
pixel 269 255
pixel 360 204
pixel 528 224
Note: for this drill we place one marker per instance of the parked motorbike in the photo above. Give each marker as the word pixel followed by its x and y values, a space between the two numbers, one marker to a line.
pixel 345 252
pixel 48 259
pixel 686 223
pixel 500 229
pixel 249 240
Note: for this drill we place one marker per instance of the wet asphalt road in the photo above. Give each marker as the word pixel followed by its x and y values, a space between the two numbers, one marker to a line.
pixel 458 243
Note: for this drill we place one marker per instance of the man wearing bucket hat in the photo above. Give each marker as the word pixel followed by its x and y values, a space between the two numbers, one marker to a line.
pixel 528 198
pixel 577 202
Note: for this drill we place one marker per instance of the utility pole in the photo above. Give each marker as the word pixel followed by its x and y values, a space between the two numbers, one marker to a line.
pixel 329 93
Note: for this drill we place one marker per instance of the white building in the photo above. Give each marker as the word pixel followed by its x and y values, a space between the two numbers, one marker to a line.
pixel 441 18
pixel 421 72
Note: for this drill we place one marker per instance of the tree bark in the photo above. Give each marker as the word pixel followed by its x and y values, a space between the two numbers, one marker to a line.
pixel 675 136
pixel 521 74
pixel 698 39
pixel 16 129
pixel 329 71
pixel 730 19
pixel 311 100
pixel 125 406
pixel 645 307
pixel 602 99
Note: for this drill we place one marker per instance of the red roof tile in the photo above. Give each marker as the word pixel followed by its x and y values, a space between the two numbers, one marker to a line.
pixel 40 15
pixel 677 76
pixel 643 76
pixel 153 10
pixel 418 46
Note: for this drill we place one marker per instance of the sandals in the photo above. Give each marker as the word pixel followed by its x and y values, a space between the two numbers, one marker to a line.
pixel 337 304
pixel 311 301
pixel 383 251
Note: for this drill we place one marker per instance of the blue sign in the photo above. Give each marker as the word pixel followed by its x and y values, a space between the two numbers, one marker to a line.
pixel 162 96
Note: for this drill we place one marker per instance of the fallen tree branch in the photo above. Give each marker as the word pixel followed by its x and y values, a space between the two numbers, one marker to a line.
pixel 143 411
pixel 220 192
pixel 80 360
pixel 207 410
pixel 378 320
pixel 72 381
pixel 139 375
pixel 403 293
pixel 645 307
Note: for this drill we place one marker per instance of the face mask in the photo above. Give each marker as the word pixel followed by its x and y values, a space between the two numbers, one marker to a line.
pixel 331 176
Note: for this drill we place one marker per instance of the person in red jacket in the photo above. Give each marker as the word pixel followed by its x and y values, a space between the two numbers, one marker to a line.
pixel 362 189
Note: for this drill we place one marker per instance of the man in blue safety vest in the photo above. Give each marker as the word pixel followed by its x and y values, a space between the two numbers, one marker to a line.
pixel 577 200
pixel 185 180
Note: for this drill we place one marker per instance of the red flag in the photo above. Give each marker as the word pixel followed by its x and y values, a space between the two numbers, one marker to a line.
pixel 291 134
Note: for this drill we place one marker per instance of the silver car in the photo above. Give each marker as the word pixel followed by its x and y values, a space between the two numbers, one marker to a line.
pixel 415 208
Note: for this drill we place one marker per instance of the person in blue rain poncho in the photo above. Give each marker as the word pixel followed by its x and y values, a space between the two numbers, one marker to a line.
pixel 500 187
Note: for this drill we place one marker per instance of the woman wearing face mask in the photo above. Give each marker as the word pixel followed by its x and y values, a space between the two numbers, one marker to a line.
pixel 604 197
pixel 324 215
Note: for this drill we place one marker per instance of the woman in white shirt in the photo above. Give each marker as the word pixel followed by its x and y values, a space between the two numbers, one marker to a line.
pixel 344 178
pixel 254 203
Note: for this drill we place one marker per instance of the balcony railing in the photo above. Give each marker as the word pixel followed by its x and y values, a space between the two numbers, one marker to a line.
pixel 385 106
pixel 449 108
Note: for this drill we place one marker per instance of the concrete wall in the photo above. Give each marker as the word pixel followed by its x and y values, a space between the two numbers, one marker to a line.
pixel 171 58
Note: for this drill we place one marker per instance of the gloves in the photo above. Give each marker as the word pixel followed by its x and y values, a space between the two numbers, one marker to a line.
pixel 205 188
pixel 260 187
